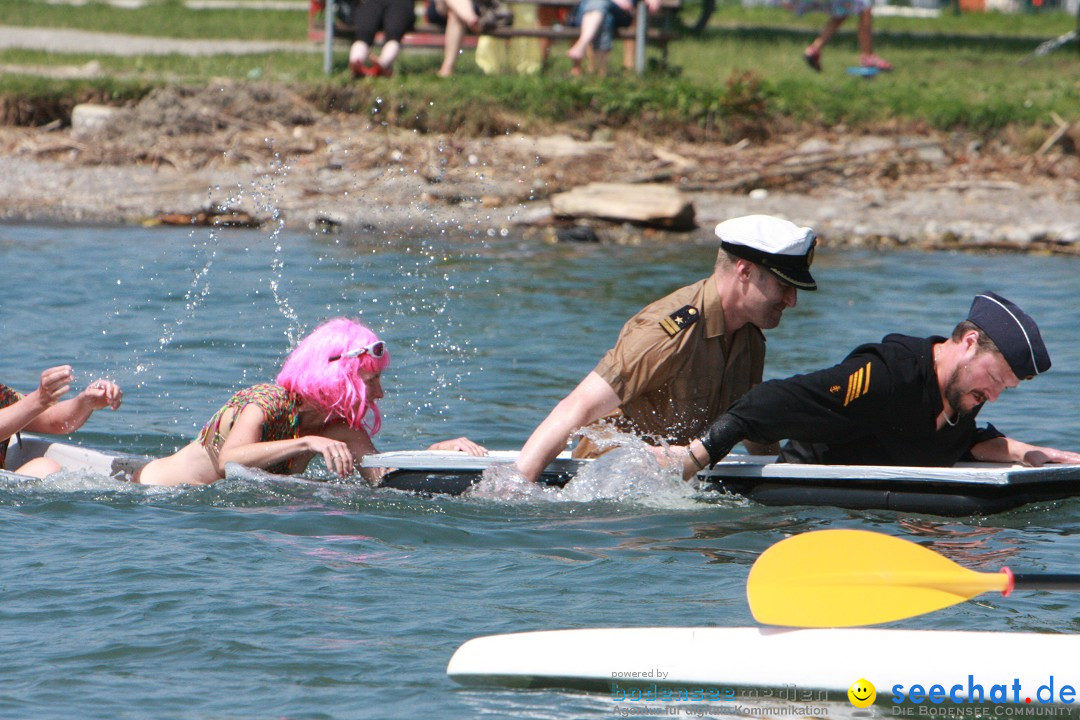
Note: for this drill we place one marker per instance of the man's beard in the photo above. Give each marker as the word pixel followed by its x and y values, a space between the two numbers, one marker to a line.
pixel 954 395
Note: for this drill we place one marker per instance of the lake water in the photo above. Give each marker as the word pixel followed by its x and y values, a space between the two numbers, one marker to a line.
pixel 297 600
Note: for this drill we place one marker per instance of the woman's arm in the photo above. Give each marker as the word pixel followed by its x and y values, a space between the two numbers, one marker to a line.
pixel 244 445
pixel 70 415
pixel 359 444
pixel 22 414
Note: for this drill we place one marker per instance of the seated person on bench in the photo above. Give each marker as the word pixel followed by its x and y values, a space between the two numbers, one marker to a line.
pixel 599 19
pixel 478 16
pixel 394 18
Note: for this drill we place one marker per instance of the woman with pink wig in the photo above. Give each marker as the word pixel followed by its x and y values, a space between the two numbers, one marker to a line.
pixel 322 403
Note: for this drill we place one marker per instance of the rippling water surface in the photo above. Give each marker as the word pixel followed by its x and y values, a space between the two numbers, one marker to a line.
pixel 283 599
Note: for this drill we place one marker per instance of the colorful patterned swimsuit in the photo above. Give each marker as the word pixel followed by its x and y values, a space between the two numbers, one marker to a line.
pixel 282 419
pixel 7 397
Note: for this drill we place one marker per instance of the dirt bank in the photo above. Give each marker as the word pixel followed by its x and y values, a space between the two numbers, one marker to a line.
pixel 251 152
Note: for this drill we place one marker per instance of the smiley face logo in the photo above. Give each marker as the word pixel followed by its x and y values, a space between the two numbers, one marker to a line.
pixel 862 693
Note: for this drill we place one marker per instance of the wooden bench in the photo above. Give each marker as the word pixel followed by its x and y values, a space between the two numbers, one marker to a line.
pixel 324 25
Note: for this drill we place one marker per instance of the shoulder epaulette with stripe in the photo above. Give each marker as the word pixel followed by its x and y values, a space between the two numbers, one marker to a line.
pixel 858 384
pixel 679 320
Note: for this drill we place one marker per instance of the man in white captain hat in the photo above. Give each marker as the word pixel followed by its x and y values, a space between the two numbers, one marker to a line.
pixel 682 360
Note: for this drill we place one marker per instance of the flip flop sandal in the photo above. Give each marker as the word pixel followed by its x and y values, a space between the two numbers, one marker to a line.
pixel 873 61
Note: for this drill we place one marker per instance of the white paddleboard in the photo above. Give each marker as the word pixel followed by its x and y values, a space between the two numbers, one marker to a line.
pixel 25 447
pixel 828 660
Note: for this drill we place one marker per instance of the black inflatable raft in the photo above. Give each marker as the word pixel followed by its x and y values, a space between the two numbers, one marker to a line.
pixel 964 489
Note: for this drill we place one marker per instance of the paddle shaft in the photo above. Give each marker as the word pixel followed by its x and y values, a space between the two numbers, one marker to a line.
pixel 1046 582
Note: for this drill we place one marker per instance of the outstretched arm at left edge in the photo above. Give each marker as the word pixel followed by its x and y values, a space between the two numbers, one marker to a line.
pixel 70 415
pixel 1008 450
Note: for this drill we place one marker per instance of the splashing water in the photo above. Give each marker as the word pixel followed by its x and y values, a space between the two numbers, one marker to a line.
pixel 423 307
pixel 503 483
pixel 628 472
pixel 194 298
pixel 264 194
pixel 85 483
pixel 242 487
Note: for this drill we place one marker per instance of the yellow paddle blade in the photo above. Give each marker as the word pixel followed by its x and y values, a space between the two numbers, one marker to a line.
pixel 841 578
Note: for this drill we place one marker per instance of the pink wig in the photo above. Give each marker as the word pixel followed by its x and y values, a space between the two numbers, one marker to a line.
pixel 335 386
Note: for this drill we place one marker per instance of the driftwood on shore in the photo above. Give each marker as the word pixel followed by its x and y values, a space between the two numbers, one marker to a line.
pixel 646 204
pixel 251 148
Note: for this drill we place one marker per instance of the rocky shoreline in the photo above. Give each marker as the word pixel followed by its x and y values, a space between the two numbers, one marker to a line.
pixel 182 158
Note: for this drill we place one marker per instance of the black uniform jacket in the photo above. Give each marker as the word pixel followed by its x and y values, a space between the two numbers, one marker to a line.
pixel 878 407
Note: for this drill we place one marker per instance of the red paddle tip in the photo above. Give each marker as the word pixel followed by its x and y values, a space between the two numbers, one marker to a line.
pixel 1011 583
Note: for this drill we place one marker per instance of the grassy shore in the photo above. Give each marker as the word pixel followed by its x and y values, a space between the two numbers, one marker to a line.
pixel 743 76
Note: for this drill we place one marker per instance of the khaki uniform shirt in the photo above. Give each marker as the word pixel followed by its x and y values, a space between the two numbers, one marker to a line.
pixel 672 386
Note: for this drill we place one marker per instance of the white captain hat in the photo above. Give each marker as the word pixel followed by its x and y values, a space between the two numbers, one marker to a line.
pixel 780 246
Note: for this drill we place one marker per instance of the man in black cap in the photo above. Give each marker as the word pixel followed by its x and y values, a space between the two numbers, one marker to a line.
pixel 682 360
pixel 903 401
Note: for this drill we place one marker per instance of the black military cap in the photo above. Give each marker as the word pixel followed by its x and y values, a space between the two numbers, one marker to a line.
pixel 1013 331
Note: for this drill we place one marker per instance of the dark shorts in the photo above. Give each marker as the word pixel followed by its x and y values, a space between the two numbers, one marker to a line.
pixel 614 17
pixel 393 17
pixel 432 14
pixel 435 17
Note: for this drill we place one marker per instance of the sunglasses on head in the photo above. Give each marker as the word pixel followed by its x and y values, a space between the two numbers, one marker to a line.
pixel 376 350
